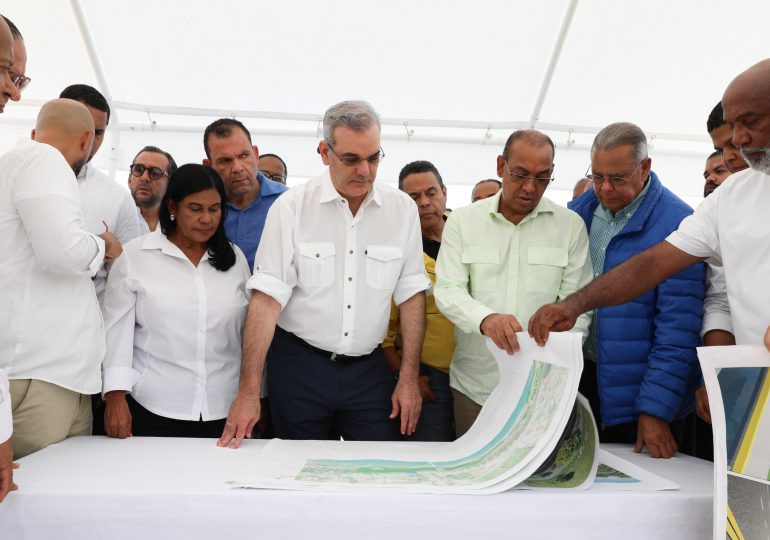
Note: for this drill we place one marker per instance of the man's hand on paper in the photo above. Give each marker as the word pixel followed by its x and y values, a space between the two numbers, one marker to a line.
pixel 551 318
pixel 501 329
pixel 407 403
pixel 655 434
pixel 702 404
pixel 6 469
pixel 244 414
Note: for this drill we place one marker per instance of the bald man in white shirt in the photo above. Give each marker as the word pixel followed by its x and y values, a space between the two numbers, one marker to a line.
pixel 333 253
pixel 52 342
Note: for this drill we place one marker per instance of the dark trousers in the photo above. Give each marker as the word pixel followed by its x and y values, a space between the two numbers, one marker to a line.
pixel 314 397
pixel 147 424
pixel 437 418
pixel 626 433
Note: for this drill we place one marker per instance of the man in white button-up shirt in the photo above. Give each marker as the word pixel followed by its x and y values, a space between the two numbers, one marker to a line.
pixel 52 342
pixel 334 252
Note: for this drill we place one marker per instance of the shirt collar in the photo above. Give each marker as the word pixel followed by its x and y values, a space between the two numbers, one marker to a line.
pixel 158 241
pixel 544 206
pixel 83 173
pixel 329 193
pixel 266 188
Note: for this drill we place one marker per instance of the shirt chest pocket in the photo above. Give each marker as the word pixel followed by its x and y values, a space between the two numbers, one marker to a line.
pixel 383 266
pixel 316 264
pixel 483 263
pixel 546 266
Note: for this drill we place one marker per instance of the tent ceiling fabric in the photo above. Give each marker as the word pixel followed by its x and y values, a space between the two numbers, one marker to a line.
pixel 462 74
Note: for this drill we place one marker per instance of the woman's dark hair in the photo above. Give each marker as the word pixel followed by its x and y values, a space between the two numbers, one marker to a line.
pixel 189 179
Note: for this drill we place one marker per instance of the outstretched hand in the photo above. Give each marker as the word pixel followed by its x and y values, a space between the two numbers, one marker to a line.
pixel 551 318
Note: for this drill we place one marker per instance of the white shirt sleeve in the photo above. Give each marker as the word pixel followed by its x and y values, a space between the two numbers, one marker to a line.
pixel 413 278
pixel 46 199
pixel 119 323
pixel 127 227
pixel 274 270
pixel 6 421
pixel 698 234
pixel 716 307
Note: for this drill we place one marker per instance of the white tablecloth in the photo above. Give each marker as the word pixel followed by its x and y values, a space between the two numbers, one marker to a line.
pixel 142 488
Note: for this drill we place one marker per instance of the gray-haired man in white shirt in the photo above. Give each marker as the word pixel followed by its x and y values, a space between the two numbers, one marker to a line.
pixel 52 343
pixel 334 252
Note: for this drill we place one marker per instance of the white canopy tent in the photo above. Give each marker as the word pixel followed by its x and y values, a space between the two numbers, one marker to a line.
pixel 450 79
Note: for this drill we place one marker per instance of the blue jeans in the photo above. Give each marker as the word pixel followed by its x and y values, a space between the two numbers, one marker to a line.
pixel 437 420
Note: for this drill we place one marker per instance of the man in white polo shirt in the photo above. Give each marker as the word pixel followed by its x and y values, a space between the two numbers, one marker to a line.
pixel 335 250
pixel 729 229
pixel 52 341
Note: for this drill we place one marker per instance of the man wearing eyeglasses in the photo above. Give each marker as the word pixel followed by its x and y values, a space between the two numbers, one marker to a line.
pixel 334 252
pixel 8 88
pixel 502 258
pixel 641 366
pixel 272 166
pixel 19 68
pixel 250 194
pixel 147 180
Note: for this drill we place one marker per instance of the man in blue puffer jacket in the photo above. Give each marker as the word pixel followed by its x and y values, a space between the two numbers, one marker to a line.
pixel 641 365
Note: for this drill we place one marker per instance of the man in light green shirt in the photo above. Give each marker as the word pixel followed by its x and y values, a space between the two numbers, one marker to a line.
pixel 501 259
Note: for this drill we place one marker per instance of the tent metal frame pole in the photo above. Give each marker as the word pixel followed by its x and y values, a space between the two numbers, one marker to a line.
pixel 93 55
pixel 554 60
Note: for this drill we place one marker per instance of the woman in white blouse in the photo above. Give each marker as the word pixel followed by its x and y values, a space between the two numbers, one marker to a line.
pixel 174 309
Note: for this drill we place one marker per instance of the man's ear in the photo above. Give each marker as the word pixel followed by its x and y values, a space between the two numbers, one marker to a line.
pixel 32 135
pixel 206 162
pixel 323 149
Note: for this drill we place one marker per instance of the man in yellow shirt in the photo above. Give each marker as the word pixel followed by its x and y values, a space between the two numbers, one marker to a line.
pixel 501 259
pixel 422 182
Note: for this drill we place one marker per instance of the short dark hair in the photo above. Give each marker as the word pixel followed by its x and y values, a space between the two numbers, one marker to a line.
pixel 715 153
pixel 14 29
pixel 222 129
pixel 193 178
pixel 417 167
pixel 276 156
pixel 531 137
pixel 154 149
pixel 88 95
pixel 495 180
pixel 716 118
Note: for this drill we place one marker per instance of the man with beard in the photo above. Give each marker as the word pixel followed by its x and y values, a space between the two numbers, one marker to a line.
pixel 148 180
pixel 53 343
pixel 729 229
pixel 335 251
pixel 230 152
pixel 106 206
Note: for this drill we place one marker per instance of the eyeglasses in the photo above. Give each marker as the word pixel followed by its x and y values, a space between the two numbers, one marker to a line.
pixel 20 82
pixel 616 180
pixel 275 177
pixel 352 160
pixel 540 181
pixel 154 173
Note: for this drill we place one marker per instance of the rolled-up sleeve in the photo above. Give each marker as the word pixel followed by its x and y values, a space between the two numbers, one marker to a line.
pixel 413 278
pixel 119 324
pixel 716 307
pixel 275 273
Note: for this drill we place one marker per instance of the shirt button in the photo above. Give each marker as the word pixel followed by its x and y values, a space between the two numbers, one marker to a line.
pixel 350 279
pixel 351 252
pixel 345 334
pixel 349 306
